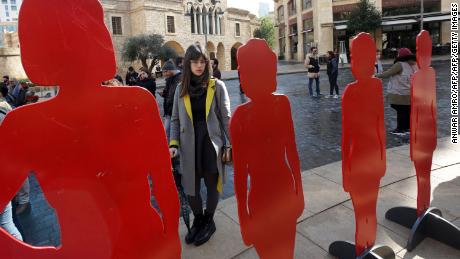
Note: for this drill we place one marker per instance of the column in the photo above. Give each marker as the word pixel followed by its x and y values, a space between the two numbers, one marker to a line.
pixel 219 32
pixel 213 19
pixel 195 27
pixel 300 47
pixel 287 53
pixel 207 24
pixel 200 20
pixel 378 32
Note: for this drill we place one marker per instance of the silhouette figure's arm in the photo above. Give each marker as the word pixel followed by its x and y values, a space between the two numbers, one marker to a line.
pixel 381 129
pixel 160 172
pixel 413 113
pixel 292 155
pixel 240 174
pixel 434 110
pixel 346 142
pixel 175 123
pixel 12 174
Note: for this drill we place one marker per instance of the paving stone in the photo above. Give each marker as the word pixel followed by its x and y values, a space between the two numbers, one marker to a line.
pixel 225 243
pixel 304 249
pixel 431 249
pixel 388 199
pixel 450 174
pixel 321 194
pixel 338 223
pixel 444 195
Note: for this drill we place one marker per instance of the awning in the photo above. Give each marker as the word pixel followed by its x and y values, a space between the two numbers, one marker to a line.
pixel 437 18
pixel 398 22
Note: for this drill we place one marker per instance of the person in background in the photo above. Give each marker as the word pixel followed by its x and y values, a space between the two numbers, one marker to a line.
pixel 131 76
pixel 118 77
pixel 215 68
pixel 312 64
pixel 147 82
pixel 378 62
pixel 173 77
pixel 399 88
pixel 6 215
pixel 333 73
pixel 179 63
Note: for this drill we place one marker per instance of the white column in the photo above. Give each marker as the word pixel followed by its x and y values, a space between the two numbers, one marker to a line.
pixel 219 32
pixel 207 24
pixel 213 18
pixel 195 27
pixel 201 24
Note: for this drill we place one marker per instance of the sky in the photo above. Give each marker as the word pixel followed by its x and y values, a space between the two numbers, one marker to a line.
pixel 250 5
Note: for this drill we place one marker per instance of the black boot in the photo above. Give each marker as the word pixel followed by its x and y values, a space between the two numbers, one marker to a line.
pixel 198 223
pixel 207 230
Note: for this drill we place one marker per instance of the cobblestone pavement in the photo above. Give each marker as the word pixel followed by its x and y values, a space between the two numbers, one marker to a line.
pixel 318 135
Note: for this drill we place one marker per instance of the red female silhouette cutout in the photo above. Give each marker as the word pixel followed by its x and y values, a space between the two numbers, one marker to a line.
pixel 264 149
pixel 423 136
pixel 363 140
pixel 100 144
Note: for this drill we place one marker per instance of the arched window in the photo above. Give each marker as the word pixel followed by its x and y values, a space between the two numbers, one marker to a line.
pixel 210 22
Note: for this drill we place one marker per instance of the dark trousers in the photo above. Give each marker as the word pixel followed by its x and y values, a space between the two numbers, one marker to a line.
pixel 402 116
pixel 333 84
pixel 196 203
pixel 310 85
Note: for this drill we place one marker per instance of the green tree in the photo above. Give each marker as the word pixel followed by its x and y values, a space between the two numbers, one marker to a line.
pixel 266 31
pixel 365 18
pixel 147 48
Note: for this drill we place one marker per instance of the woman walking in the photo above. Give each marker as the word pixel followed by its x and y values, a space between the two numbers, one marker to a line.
pixel 333 73
pixel 199 126
pixel 399 88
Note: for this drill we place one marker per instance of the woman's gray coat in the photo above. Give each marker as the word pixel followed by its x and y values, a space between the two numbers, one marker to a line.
pixel 182 131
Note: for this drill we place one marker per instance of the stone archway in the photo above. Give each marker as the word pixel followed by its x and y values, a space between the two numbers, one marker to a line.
pixel 177 47
pixel 233 51
pixel 221 56
pixel 211 48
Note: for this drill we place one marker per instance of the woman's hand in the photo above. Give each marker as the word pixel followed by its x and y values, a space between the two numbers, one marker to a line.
pixel 173 152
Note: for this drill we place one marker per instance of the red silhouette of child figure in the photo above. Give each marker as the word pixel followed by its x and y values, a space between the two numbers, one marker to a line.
pixel 264 149
pixel 99 144
pixel 363 140
pixel 423 137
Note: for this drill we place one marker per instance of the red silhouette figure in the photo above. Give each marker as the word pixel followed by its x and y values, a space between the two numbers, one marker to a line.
pixel 100 144
pixel 423 137
pixel 363 140
pixel 264 149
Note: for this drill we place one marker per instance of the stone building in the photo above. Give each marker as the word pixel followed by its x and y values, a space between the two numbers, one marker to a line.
pixel 302 24
pixel 180 22
pixel 223 30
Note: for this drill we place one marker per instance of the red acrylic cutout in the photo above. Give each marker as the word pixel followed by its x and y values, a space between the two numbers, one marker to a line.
pixel 97 147
pixel 264 149
pixel 423 135
pixel 363 140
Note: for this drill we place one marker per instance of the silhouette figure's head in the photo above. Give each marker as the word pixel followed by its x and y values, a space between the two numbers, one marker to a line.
pixel 257 63
pixel 62 40
pixel 424 49
pixel 362 51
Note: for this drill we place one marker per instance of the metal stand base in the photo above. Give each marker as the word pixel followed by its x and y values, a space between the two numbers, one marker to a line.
pixel 430 224
pixel 346 250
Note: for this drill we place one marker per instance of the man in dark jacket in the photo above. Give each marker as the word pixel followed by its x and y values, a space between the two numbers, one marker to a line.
pixel 131 76
pixel 146 82
pixel 215 68
pixel 173 78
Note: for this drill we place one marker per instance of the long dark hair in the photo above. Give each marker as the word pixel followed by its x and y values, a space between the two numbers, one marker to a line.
pixel 194 52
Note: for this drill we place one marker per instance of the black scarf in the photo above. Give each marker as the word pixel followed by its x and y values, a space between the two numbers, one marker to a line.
pixel 197 86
